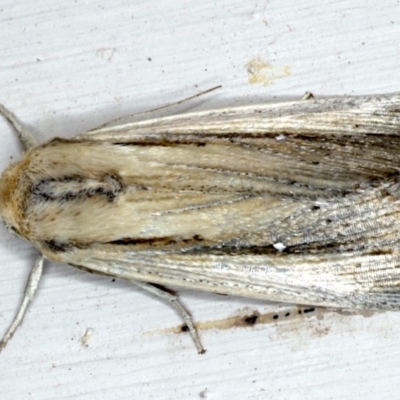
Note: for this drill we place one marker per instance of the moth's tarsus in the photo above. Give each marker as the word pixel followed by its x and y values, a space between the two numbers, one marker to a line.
pixel 173 299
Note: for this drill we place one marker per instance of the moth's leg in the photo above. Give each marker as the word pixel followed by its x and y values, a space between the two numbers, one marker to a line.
pixel 26 137
pixel 174 301
pixel 308 96
pixel 30 290
pixel 128 118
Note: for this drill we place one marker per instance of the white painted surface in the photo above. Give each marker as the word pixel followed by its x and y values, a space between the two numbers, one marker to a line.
pixel 69 66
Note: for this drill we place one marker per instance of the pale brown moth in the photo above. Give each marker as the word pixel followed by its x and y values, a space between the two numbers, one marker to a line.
pixel 293 202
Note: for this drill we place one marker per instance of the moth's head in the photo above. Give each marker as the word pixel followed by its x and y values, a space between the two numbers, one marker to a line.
pixel 12 198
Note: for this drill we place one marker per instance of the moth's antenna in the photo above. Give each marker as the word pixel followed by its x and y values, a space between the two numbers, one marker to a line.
pixel 30 290
pixel 26 137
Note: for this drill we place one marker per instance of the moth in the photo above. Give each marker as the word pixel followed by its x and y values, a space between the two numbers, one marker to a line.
pixel 291 202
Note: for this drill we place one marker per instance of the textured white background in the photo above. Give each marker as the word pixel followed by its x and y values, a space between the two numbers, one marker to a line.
pixel 68 66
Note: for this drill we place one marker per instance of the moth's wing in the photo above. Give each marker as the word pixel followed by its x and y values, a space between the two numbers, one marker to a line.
pixel 346 280
pixel 341 251
pixel 327 144
pixel 290 202
pixel 374 114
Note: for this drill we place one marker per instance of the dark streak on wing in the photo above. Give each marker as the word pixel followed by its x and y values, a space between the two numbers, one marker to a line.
pixel 175 246
pixel 234 247
pixel 155 241
pixel 68 188
pixel 201 139
pixel 56 246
